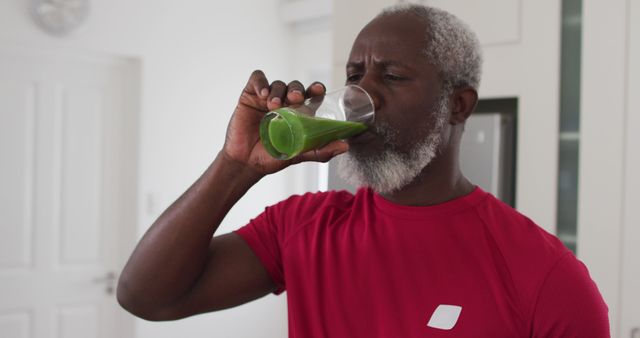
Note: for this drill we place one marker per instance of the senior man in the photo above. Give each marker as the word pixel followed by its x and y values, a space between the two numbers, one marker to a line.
pixel 418 251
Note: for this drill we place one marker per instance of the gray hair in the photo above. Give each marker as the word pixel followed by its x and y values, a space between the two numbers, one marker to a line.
pixel 451 46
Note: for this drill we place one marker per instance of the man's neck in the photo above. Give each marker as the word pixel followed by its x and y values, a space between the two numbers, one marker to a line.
pixel 437 183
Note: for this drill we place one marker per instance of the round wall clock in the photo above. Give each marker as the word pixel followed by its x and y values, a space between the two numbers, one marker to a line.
pixel 59 17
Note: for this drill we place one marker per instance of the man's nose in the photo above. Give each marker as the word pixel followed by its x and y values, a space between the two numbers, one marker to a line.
pixel 371 85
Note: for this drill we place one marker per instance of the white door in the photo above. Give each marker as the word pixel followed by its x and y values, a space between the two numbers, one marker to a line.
pixel 67 150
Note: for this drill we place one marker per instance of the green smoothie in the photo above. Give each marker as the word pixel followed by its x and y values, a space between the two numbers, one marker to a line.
pixel 286 134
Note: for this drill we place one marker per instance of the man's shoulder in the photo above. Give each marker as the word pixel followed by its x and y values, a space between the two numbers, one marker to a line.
pixel 308 205
pixel 527 251
pixel 513 229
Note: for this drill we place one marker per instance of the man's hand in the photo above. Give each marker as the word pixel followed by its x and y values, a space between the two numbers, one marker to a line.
pixel 242 142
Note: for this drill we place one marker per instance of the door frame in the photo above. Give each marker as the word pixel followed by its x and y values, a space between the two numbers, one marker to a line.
pixel 608 232
pixel 630 246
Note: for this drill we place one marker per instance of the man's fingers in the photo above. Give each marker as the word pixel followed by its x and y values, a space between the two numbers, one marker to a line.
pixel 277 94
pixel 257 84
pixel 315 89
pixel 295 92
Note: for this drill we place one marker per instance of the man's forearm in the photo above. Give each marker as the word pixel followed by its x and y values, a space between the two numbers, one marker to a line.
pixel 173 253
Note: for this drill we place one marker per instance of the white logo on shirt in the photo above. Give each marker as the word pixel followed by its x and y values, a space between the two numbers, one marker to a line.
pixel 445 317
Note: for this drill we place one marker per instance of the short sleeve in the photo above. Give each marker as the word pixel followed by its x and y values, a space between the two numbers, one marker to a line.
pixel 569 304
pixel 262 236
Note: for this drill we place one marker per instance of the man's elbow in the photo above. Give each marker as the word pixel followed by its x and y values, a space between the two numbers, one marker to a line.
pixel 134 303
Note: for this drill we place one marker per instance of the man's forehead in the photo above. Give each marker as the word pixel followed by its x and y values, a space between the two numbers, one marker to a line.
pixel 359 62
pixel 386 50
pixel 397 36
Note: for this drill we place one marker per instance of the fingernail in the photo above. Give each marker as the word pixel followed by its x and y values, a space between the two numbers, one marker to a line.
pixel 296 91
pixel 318 85
pixel 276 100
pixel 264 92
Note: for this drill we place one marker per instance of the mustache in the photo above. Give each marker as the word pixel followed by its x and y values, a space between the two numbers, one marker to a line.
pixel 385 131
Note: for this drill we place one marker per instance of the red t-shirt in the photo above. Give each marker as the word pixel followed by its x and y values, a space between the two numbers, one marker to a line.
pixel 361 266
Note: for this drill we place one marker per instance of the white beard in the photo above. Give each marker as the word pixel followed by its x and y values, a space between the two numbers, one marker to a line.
pixel 392 170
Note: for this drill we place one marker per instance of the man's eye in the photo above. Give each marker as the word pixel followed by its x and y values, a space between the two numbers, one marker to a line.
pixel 353 78
pixel 393 77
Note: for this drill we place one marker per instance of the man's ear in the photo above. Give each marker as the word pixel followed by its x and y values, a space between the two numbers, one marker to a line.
pixel 463 103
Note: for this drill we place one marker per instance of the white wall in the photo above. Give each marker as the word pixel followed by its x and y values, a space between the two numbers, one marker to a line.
pixel 195 58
